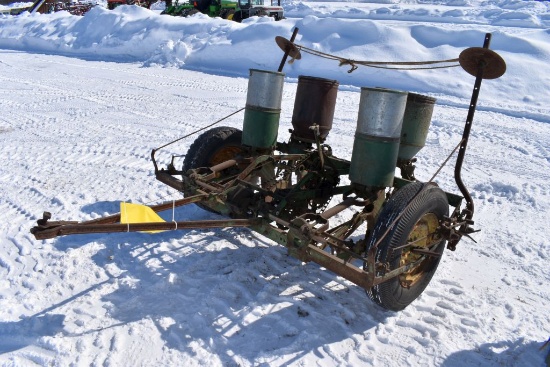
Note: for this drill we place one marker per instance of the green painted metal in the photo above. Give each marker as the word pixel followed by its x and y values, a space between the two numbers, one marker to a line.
pixel 260 127
pixel 263 108
pixel 373 160
pixel 377 137
pixel 416 123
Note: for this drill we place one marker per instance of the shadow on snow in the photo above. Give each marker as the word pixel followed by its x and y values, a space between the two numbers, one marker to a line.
pixel 236 293
pixel 505 353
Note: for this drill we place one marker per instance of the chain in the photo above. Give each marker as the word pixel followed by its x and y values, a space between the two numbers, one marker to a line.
pixel 403 65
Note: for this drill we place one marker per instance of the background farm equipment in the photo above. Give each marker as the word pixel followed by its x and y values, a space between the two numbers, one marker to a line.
pixel 75 8
pixel 354 217
pixel 112 4
pixel 53 6
pixel 226 9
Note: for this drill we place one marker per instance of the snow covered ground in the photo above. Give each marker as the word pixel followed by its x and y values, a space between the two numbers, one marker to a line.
pixel 85 99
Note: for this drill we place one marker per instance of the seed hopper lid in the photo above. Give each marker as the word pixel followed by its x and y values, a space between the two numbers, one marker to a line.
pixel 472 58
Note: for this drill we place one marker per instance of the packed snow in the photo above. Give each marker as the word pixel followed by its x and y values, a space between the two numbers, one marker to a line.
pixel 84 100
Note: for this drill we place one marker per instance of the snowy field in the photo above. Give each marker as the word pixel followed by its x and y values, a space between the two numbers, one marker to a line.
pixel 85 99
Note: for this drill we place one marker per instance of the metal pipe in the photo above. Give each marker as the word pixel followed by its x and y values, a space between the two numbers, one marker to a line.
pixel 329 213
pixel 156 208
pixel 285 56
pixel 224 165
pixel 84 228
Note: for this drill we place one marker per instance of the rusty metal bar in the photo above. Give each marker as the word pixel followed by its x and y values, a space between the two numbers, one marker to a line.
pixel 156 208
pixel 209 186
pixel 248 170
pixel 466 135
pixel 168 179
pixel 364 277
pixel 84 228
pixel 285 56
pixel 354 274
pixel 224 165
pixel 339 266
pixel 331 212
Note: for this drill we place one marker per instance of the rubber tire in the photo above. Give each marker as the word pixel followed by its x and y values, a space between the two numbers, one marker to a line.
pixel 238 16
pixel 212 141
pixel 423 199
pixel 229 14
pixel 206 146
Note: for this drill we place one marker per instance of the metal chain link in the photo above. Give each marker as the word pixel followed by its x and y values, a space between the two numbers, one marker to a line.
pixel 381 64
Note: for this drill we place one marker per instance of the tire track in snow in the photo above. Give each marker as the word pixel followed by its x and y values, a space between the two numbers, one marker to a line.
pixel 210 297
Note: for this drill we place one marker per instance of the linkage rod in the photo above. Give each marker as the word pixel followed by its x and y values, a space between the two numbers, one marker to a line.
pixel 466 134
pixel 80 228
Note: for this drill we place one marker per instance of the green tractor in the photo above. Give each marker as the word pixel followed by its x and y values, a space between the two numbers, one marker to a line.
pixel 178 9
pixel 226 9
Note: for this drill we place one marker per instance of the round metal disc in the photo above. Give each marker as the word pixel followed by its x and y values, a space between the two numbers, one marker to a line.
pixel 472 58
pixel 289 47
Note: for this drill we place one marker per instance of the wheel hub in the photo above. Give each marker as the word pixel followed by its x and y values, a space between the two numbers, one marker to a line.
pixel 423 236
pixel 225 154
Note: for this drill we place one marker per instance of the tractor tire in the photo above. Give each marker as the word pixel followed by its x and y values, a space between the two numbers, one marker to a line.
pixel 419 208
pixel 212 147
pixel 229 14
pixel 238 16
